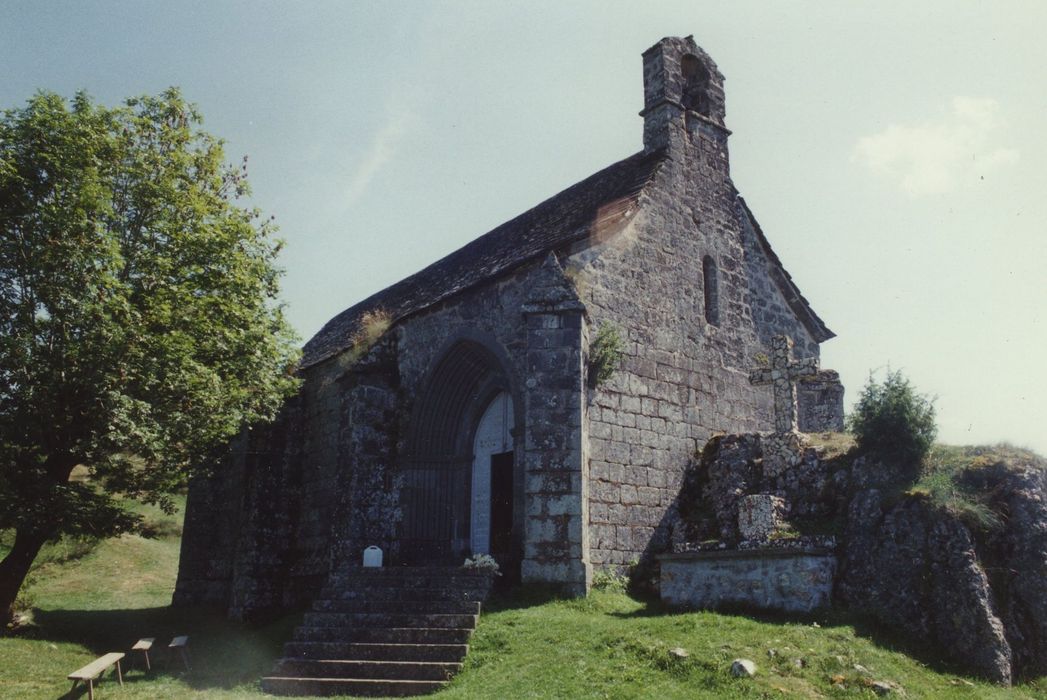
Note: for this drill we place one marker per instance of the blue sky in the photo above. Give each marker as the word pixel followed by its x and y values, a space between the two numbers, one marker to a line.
pixel 892 151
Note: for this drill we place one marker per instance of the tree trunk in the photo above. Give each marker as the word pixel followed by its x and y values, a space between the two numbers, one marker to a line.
pixel 13 570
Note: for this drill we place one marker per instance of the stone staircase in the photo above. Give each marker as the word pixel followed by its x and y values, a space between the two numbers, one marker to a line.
pixel 382 632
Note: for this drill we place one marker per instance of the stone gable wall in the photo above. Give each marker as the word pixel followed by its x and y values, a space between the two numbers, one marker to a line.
pixel 769 310
pixel 683 379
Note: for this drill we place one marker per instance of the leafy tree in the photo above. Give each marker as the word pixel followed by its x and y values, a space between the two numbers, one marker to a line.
pixel 893 422
pixel 139 328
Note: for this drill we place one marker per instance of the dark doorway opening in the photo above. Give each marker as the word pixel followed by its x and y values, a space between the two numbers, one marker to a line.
pixel 501 503
pixel 502 541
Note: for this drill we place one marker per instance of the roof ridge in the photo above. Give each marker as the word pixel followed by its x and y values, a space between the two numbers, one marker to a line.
pixel 558 220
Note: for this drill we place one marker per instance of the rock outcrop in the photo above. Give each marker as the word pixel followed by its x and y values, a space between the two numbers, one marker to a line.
pixel 965 577
pixel 734 466
pixel 1015 556
pixel 917 569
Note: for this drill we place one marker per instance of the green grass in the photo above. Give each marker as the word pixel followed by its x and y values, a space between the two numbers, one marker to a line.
pixel 948 480
pixel 91 597
pixel 613 646
pixel 528 644
pixel 831 445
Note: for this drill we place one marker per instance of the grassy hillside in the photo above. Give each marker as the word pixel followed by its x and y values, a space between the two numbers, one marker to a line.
pixel 613 646
pixel 89 600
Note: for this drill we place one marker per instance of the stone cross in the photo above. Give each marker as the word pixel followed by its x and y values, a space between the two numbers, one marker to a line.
pixel 782 375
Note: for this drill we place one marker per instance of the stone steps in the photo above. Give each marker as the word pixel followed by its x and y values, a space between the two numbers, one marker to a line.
pixel 384 635
pixel 424 577
pixel 338 619
pixel 420 594
pixel 430 607
pixel 376 651
pixel 361 670
pixel 371 687
pixel 390 632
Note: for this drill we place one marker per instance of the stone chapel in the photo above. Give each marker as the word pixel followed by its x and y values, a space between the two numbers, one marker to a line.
pixel 454 412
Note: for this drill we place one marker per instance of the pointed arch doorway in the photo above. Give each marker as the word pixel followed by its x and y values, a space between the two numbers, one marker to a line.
pixel 463 486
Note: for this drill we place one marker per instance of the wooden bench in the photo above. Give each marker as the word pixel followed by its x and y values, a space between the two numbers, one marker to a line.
pixel 144 645
pixel 94 670
pixel 181 644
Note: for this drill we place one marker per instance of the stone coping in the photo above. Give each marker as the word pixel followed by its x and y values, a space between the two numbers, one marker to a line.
pixel 762 553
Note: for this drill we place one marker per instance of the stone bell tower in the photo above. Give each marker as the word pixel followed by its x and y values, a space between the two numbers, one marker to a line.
pixel 684 110
pixel 683 97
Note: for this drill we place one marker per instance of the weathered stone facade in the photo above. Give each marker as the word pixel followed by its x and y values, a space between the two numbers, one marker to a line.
pixel 684 377
pixel 378 447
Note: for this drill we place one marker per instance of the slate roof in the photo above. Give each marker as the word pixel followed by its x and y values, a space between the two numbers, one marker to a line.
pixel 561 220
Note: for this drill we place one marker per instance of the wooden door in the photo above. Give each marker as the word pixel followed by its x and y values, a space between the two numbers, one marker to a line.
pixel 501 503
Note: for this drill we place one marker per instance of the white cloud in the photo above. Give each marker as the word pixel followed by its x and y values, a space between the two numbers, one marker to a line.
pixel 936 157
pixel 381 150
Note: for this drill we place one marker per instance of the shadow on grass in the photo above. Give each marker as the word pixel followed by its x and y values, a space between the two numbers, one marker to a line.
pixel 520 597
pixel 133 675
pixel 222 653
pixel 653 607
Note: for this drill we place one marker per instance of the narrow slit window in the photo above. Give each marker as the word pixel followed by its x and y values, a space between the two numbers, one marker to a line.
pixel 712 290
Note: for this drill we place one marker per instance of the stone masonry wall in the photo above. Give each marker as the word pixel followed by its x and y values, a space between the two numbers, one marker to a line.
pixel 209 534
pixel 241 522
pixel 315 466
pixel 367 495
pixel 819 400
pixel 770 580
pixel 556 535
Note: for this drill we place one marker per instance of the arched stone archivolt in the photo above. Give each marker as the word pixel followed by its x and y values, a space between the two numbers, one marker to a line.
pixel 438 465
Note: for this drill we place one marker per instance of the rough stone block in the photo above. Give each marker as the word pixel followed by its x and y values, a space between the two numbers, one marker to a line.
pixel 649 496
pixel 760 515
pixel 656 477
pixel 563 505
pixel 781 452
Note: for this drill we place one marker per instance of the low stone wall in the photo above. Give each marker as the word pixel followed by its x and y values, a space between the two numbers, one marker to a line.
pixel 771 579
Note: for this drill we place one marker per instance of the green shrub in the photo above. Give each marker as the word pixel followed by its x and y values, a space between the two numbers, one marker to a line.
pixel 615 581
pixel 606 350
pixel 893 422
